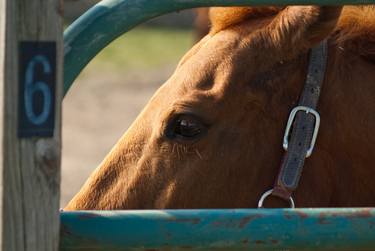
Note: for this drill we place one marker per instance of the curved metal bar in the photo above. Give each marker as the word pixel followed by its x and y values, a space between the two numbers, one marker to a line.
pixel 235 229
pixel 268 194
pixel 109 19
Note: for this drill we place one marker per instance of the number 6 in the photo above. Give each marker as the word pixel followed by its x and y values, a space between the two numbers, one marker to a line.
pixel 31 87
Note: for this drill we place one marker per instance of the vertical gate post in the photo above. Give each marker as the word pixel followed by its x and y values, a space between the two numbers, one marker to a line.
pixel 30 123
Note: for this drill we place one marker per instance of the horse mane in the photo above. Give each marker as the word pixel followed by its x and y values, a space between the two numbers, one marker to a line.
pixel 356 23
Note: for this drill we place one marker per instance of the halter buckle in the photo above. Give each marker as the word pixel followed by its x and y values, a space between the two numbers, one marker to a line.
pixel 292 116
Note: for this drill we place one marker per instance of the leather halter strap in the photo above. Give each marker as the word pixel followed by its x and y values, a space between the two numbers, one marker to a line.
pixel 300 144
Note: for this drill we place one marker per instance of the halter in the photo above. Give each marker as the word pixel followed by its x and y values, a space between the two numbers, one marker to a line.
pixel 299 142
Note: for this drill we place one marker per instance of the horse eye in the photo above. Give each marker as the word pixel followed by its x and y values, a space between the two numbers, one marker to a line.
pixel 186 127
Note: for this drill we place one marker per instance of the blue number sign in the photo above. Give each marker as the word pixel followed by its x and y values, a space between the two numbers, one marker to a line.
pixel 37 80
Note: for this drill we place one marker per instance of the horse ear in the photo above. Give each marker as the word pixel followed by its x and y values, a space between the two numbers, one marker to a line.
pixel 301 27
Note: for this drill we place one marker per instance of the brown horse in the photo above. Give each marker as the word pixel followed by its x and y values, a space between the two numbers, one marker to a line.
pixel 201 23
pixel 211 137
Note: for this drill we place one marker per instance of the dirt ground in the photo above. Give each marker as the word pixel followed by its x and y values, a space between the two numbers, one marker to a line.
pixel 96 112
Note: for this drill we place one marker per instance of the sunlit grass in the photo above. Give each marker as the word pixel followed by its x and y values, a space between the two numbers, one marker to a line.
pixel 144 48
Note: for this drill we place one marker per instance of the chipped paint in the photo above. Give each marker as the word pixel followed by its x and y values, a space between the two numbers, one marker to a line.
pixel 246 220
pixel 259 229
pixel 86 216
pixel 301 214
pixel 193 221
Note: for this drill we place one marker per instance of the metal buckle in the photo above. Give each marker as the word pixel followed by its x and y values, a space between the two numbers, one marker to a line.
pixel 269 193
pixel 290 123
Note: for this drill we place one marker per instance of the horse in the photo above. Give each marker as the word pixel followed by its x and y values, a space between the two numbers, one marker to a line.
pixel 201 23
pixel 212 135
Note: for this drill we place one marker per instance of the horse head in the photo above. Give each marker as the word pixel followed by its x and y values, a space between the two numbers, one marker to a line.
pixel 211 136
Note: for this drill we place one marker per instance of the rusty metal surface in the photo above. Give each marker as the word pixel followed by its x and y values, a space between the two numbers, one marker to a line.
pixel 240 229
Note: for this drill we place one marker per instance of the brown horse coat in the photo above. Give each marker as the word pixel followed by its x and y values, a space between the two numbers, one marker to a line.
pixel 201 23
pixel 233 92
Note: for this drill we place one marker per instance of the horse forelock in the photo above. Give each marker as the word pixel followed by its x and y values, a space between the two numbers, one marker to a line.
pixel 224 17
pixel 355 22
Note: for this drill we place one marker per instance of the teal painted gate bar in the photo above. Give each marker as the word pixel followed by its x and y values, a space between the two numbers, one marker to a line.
pixel 111 18
pixel 246 229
